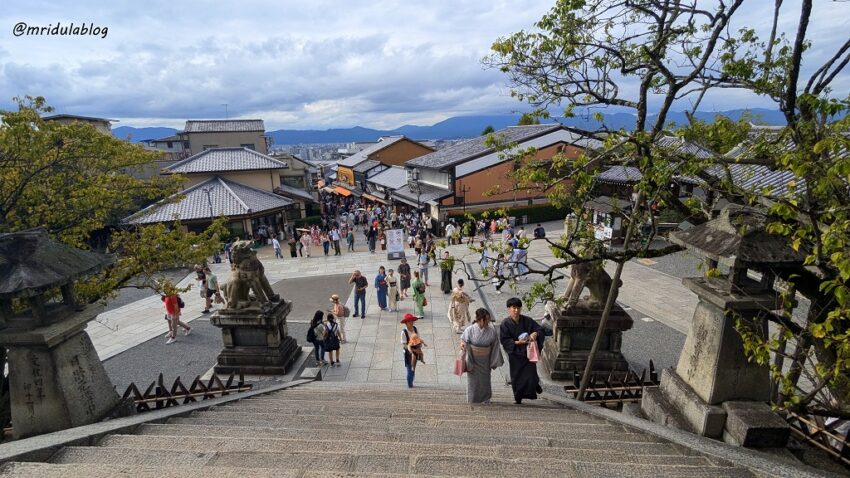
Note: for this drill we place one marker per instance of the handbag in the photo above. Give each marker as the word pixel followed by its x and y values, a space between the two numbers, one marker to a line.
pixel 532 353
pixel 424 301
pixel 460 365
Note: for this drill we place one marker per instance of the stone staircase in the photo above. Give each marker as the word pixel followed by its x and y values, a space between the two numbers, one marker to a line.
pixel 341 429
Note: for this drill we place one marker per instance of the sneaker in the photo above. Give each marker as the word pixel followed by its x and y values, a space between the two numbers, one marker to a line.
pixel 187 331
pixel 205 311
pixel 170 340
pixel 167 334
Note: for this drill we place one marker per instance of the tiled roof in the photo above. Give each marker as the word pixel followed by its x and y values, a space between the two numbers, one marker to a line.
pixel 629 174
pixel 224 126
pixel 78 117
pixel 757 177
pixel 363 155
pixel 294 192
pixel 393 177
pixel 216 160
pixel 684 147
pixel 461 152
pixel 429 193
pixel 620 175
pixel 366 166
pixel 228 198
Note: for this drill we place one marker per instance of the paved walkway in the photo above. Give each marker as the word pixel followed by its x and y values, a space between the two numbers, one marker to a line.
pixel 373 353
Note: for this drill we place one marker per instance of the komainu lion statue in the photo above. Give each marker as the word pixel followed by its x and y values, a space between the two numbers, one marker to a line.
pixel 593 276
pixel 247 276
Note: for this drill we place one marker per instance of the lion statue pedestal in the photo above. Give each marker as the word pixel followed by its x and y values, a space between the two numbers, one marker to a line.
pixel 575 325
pixel 253 324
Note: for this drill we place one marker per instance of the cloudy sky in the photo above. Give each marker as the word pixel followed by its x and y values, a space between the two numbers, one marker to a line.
pixel 297 65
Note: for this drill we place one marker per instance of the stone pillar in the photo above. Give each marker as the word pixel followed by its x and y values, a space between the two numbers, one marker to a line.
pixel 256 340
pixel 713 370
pixel 574 330
pixel 56 378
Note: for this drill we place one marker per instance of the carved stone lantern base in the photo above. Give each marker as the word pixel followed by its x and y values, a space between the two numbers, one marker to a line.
pixel 574 331
pixel 256 340
pixel 58 379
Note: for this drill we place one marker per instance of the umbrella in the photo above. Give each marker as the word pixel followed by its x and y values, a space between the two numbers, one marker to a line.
pixel 302 229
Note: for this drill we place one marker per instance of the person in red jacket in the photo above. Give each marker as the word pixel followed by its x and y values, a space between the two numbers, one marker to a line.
pixel 172 314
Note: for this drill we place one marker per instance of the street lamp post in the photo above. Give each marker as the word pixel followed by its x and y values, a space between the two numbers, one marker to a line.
pixel 413 185
pixel 209 201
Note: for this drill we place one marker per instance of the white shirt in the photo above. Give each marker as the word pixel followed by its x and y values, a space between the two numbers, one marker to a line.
pixel 275 243
pixel 335 234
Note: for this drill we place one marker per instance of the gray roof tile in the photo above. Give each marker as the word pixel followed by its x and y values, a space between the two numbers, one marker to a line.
pixel 393 177
pixel 366 166
pixel 228 198
pixel 224 126
pixel 466 150
pixel 363 155
pixel 294 192
pixel 429 193
pixel 225 159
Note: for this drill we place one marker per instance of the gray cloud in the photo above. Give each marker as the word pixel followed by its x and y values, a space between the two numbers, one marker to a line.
pixel 322 64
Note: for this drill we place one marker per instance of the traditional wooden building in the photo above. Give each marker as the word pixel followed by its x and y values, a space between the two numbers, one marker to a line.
pixel 353 171
pixel 473 175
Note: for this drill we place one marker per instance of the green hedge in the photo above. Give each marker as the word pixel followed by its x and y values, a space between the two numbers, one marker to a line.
pixel 535 214
pixel 308 221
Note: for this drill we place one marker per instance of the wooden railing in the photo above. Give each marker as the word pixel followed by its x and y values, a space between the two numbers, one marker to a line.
pixel 158 395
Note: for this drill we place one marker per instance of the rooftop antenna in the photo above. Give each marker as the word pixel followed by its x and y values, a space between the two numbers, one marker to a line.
pixel 225 110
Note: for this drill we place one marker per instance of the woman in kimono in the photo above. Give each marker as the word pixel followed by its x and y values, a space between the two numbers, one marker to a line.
pixel 524 380
pixel 315 235
pixel 459 308
pixel 404 278
pixel 418 297
pixel 381 287
pixel 392 290
pixel 480 346
pixel 446 265
pixel 305 244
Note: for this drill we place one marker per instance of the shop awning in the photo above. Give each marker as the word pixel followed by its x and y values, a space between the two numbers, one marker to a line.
pixel 342 191
pixel 374 198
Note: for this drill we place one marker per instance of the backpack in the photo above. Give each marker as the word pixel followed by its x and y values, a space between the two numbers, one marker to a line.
pixel 180 302
pixel 420 287
pixel 346 312
pixel 320 331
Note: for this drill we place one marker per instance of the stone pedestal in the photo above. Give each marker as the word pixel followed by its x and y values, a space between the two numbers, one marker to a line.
pixel 574 330
pixel 56 378
pixel 713 369
pixel 256 340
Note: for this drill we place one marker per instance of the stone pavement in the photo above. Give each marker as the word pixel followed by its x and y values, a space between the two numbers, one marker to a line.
pixel 373 351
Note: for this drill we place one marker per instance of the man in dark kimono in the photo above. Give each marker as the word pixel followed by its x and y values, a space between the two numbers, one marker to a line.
pixel 524 380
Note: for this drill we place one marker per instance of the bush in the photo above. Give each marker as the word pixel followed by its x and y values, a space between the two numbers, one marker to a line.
pixel 308 221
pixel 535 214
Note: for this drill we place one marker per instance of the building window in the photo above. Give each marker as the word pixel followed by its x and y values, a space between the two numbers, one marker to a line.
pixel 293 181
pixel 249 146
pixel 210 146
pixel 169 144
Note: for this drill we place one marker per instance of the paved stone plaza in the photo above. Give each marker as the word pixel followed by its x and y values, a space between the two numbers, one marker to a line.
pixel 372 353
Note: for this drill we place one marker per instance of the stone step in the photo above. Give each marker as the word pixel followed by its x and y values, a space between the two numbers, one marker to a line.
pixel 319 460
pixel 572 439
pixel 227 415
pixel 459 403
pixel 585 451
pixel 554 437
pixel 93 470
pixel 411 411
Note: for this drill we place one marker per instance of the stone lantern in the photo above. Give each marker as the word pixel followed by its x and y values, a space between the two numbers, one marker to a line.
pixel 714 390
pixel 56 378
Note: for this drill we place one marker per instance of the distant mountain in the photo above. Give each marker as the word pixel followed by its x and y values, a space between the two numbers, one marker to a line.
pixel 457 127
pixel 141 134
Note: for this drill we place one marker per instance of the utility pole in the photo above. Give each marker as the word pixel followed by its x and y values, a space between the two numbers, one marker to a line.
pixel 463 190
pixel 209 202
pixel 225 110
